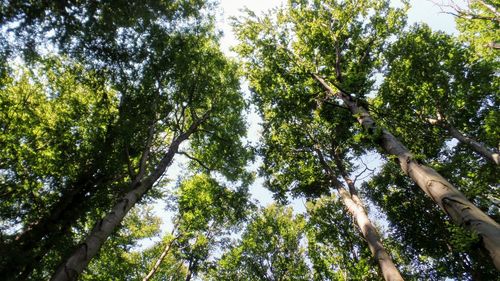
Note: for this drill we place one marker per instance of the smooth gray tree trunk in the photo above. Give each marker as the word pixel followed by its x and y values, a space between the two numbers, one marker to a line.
pixel 449 199
pixel 357 210
pixel 369 232
pixel 79 259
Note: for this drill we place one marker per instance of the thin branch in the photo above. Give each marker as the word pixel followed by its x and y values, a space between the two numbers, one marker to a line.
pixel 195 159
pixel 362 172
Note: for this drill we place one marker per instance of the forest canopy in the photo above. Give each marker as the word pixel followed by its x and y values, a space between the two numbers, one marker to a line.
pixel 125 152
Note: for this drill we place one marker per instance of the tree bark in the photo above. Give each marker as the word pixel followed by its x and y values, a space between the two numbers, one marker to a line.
pixel 39 237
pixel 357 210
pixel 42 235
pixel 369 232
pixel 79 259
pixel 449 199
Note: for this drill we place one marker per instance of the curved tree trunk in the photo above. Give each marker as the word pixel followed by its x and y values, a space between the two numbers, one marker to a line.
pixel 79 259
pixel 449 199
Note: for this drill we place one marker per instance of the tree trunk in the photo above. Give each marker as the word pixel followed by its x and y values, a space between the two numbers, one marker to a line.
pixel 452 201
pixel 79 259
pixel 369 232
pixel 39 237
pixel 161 258
pixel 356 209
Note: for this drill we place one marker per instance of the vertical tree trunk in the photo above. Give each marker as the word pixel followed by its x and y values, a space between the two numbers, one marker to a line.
pixel 369 232
pixel 357 210
pixel 79 259
pixel 449 199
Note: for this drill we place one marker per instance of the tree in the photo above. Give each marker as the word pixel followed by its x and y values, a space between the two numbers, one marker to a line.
pixel 336 250
pixel 436 248
pixel 125 45
pixel 137 52
pixel 303 45
pixel 208 212
pixel 54 120
pixel 303 156
pixel 441 84
pixel 213 103
pixel 478 22
pixel 270 249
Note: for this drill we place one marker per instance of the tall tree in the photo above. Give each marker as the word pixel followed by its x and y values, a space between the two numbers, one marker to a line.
pixel 447 93
pixel 125 43
pixel 441 84
pixel 209 102
pixel 304 46
pixel 136 47
pixel 54 119
pixel 270 249
pixel 207 213
pixel 303 156
pixel 436 248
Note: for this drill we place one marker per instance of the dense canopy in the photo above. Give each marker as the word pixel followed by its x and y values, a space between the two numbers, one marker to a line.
pixel 124 151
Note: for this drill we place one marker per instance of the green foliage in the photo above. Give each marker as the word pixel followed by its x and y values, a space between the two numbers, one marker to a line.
pixel 98 30
pixel 436 248
pixel 270 249
pixel 438 78
pixel 127 78
pixel 435 77
pixel 120 258
pixel 134 49
pixel 479 27
pixel 54 117
pixel 208 212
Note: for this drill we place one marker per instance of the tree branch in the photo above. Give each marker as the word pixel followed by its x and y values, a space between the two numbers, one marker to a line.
pixel 195 159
